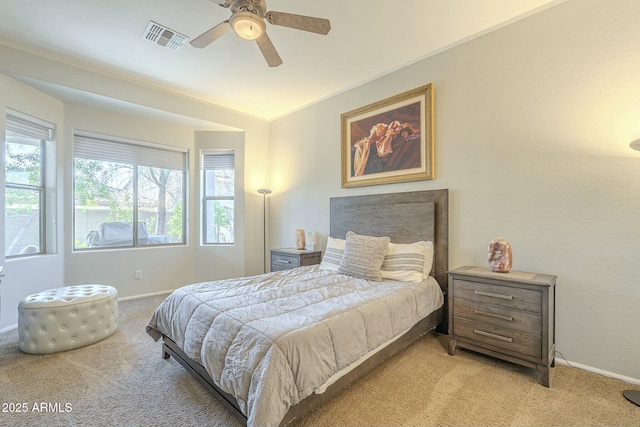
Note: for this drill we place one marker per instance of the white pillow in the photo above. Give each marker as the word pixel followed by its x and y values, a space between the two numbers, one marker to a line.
pixel 333 254
pixel 428 258
pixel 404 262
pixel 363 256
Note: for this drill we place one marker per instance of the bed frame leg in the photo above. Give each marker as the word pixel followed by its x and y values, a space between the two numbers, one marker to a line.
pixel 165 353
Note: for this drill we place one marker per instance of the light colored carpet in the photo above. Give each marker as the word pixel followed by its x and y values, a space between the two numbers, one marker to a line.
pixel 123 381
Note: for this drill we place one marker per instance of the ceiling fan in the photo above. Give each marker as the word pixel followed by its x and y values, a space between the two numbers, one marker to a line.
pixel 247 20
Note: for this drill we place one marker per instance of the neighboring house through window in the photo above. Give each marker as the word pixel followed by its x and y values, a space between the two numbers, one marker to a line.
pixel 25 187
pixel 218 200
pixel 119 183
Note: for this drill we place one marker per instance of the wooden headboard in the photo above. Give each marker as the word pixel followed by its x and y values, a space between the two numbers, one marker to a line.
pixel 404 217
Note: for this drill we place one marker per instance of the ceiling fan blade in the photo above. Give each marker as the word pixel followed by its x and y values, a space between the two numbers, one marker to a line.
pixel 221 2
pixel 300 22
pixel 208 37
pixel 268 50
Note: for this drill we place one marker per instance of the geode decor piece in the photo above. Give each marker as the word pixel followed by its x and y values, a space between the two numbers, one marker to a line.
pixel 300 242
pixel 500 255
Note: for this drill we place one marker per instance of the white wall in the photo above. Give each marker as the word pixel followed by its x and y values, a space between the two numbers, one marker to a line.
pixel 26 276
pixel 532 126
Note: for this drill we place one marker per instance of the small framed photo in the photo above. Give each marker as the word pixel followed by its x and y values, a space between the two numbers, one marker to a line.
pixel 389 141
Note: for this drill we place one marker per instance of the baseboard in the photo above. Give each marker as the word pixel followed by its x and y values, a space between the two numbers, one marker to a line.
pixel 602 372
pixel 9 328
pixel 154 294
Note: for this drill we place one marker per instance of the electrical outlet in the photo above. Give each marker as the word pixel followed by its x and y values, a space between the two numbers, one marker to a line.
pixel 138 274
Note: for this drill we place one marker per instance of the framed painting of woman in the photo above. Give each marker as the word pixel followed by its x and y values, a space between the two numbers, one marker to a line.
pixel 389 141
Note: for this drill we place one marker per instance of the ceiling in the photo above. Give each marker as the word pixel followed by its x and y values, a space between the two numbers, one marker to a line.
pixel 368 39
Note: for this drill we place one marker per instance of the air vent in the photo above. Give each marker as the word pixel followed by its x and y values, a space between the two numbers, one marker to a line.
pixel 163 36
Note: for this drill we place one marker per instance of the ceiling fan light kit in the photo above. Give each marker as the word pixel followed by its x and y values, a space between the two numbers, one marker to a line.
pixel 247 21
pixel 247 25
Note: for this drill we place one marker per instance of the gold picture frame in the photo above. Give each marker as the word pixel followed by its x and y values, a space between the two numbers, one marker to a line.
pixel 389 141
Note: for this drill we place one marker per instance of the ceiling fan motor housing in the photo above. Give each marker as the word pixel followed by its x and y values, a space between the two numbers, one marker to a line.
pixel 258 7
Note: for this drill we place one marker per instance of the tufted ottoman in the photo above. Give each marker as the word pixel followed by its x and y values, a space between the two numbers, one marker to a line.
pixel 67 318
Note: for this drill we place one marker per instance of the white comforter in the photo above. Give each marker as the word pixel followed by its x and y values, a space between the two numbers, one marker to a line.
pixel 272 340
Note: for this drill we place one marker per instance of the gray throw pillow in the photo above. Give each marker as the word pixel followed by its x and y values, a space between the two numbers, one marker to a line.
pixel 363 256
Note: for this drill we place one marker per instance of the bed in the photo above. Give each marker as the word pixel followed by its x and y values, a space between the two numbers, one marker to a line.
pixel 317 339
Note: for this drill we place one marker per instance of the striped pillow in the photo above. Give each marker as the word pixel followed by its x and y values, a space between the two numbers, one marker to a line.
pixel 333 254
pixel 404 262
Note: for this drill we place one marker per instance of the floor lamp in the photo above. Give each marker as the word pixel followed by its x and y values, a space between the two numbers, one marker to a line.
pixel 633 395
pixel 264 192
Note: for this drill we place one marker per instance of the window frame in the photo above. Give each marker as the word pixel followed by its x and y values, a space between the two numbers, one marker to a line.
pixel 38 130
pixel 135 145
pixel 205 199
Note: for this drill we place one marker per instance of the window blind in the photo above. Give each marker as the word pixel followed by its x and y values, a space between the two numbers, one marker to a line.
pixel 222 160
pixel 117 151
pixel 28 126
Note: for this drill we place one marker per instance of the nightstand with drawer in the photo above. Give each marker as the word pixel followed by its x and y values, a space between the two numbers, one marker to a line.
pixel 510 316
pixel 286 258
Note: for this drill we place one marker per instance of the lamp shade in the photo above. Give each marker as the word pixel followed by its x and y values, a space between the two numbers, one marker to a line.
pixel 635 144
pixel 247 25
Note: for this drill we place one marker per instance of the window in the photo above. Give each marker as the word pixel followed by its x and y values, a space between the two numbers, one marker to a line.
pixel 218 201
pixel 25 189
pixel 119 183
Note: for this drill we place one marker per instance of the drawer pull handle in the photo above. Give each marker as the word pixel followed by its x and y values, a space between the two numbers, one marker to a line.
pixel 490 335
pixel 495 316
pixel 283 261
pixel 489 294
